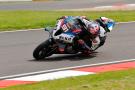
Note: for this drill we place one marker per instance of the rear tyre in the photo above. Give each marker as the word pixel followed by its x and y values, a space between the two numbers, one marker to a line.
pixel 42 50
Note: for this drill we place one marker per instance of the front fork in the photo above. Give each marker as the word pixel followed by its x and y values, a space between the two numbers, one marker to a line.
pixel 53 47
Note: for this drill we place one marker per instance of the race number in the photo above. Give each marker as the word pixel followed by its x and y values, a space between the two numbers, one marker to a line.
pixel 64 28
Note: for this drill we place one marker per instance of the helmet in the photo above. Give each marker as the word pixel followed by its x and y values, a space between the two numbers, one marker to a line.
pixel 109 23
pixel 93 28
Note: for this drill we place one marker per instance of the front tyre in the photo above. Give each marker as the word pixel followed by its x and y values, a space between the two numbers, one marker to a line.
pixel 42 50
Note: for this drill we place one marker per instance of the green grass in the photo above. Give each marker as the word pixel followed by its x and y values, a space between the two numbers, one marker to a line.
pixel 11 20
pixel 118 80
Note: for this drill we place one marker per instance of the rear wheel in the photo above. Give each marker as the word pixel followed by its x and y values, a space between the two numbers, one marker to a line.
pixel 42 50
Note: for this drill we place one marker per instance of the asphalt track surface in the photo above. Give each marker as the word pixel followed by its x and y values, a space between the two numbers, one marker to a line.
pixel 65 4
pixel 16 51
pixel 16 48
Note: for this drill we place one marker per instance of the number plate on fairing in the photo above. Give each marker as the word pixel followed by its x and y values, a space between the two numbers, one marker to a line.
pixel 66 37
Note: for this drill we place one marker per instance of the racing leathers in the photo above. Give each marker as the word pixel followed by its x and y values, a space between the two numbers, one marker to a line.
pixel 105 25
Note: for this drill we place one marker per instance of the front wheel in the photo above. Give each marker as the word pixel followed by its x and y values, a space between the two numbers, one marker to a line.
pixel 43 50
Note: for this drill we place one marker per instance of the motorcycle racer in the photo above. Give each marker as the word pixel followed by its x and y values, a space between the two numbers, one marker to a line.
pixel 94 34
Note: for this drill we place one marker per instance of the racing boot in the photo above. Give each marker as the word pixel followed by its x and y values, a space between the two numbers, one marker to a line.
pixel 85 49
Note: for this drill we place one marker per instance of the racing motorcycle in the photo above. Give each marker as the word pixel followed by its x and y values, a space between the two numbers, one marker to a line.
pixel 68 32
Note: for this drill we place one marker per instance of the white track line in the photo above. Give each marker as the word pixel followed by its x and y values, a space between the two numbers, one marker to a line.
pixel 62 69
pixel 52 75
pixel 21 30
